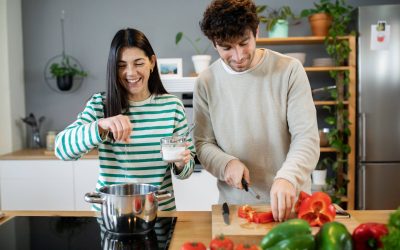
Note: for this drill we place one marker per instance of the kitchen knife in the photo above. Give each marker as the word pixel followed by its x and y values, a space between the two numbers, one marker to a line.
pixel 249 189
pixel 225 213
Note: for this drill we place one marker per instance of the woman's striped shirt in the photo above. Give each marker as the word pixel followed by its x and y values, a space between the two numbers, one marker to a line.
pixel 140 161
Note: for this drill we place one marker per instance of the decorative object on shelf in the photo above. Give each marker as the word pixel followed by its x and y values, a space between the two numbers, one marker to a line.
pixel 324 93
pixel 35 141
pixel 323 137
pixel 277 20
pixel 320 171
pixel 50 140
pixel 299 56
pixel 200 60
pixel 170 67
pixel 323 62
pixel 63 73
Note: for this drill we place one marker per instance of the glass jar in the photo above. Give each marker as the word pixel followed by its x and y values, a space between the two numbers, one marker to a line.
pixel 50 140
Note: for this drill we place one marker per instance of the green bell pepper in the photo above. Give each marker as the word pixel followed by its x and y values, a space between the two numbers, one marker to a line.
pixel 333 236
pixel 292 234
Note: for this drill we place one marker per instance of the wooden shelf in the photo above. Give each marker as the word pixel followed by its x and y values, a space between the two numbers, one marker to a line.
pixel 329 103
pixel 351 102
pixel 294 40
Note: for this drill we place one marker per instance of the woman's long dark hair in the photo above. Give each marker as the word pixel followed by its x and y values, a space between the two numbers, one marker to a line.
pixel 117 96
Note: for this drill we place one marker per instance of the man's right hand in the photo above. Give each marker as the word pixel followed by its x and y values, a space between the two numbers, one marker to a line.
pixel 234 171
pixel 120 126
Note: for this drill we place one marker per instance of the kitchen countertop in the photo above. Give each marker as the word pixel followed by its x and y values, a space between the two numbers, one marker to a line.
pixel 41 154
pixel 195 226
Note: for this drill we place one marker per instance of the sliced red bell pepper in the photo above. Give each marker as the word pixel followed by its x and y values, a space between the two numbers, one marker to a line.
pixel 243 211
pixel 317 209
pixel 302 196
pixel 367 236
pixel 263 217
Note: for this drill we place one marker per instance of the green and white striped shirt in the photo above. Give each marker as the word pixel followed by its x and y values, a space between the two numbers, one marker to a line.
pixel 141 160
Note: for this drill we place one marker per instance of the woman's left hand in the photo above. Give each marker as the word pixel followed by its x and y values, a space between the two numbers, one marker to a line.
pixel 185 158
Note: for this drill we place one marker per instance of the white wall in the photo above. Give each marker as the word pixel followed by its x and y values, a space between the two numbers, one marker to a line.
pixel 12 90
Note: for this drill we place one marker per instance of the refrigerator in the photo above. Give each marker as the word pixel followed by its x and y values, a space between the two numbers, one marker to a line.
pixel 378 107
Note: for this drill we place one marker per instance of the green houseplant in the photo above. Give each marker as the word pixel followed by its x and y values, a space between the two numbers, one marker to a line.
pixel 65 72
pixel 200 60
pixel 276 20
pixel 338 120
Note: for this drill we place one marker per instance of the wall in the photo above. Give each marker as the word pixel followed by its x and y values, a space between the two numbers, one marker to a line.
pixel 89 28
pixel 12 92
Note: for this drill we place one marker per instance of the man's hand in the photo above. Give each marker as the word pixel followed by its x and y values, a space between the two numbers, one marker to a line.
pixel 120 126
pixel 282 195
pixel 234 171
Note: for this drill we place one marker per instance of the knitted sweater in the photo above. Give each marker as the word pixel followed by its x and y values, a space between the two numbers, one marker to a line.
pixel 141 160
pixel 265 117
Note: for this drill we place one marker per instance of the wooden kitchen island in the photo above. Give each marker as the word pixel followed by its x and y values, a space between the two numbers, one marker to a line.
pixel 194 226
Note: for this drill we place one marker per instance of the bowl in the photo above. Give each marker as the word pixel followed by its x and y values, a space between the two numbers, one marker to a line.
pixel 323 62
pixel 299 56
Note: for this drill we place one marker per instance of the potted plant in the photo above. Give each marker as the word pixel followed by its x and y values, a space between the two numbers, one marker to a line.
pixel 64 72
pixel 200 60
pixel 276 20
pixel 320 171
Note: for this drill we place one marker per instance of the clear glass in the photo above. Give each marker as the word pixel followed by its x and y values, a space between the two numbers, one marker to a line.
pixel 172 147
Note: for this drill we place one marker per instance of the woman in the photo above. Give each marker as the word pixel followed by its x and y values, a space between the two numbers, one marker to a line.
pixel 127 123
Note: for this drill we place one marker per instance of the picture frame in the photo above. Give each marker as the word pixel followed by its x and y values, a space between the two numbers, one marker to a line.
pixel 170 67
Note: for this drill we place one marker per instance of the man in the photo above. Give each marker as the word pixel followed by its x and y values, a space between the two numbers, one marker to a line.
pixel 254 113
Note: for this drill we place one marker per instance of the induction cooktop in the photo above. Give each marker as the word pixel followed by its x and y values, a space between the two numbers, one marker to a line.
pixel 35 232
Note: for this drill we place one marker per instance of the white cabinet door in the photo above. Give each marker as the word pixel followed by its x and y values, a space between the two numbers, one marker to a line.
pixel 85 178
pixel 197 193
pixel 36 185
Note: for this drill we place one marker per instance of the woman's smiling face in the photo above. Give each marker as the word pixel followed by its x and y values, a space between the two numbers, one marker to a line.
pixel 134 69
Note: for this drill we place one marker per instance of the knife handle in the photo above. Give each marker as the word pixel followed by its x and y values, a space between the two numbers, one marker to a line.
pixel 245 185
pixel 225 208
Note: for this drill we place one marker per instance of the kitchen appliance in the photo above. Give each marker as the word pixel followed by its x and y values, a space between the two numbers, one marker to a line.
pixel 378 162
pixel 53 232
pixel 128 208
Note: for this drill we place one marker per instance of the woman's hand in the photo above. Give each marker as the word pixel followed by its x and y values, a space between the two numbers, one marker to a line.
pixel 185 158
pixel 120 126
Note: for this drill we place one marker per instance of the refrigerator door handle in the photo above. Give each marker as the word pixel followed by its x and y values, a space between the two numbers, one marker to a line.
pixel 363 137
pixel 362 186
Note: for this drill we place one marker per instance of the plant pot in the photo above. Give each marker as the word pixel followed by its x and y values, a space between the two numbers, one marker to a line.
pixel 201 62
pixel 319 177
pixel 320 24
pixel 280 29
pixel 64 83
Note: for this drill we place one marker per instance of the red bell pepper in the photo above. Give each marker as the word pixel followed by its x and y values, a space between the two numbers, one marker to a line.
pixel 302 196
pixel 317 209
pixel 263 217
pixel 247 212
pixel 367 236
pixel 243 211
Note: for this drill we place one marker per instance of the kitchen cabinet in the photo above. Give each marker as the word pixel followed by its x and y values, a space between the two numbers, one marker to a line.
pixel 350 102
pixel 197 193
pixel 46 184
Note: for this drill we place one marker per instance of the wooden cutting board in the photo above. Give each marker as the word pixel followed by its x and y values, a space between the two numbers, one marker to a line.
pixel 242 231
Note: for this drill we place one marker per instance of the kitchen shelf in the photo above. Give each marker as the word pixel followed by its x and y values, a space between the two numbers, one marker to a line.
pixel 350 103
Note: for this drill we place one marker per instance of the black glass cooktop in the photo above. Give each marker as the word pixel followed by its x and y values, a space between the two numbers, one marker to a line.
pixel 31 233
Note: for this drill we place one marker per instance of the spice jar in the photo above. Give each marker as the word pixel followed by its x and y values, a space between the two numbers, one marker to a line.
pixel 50 139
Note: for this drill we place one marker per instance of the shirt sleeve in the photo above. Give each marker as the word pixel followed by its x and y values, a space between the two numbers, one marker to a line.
pixel 181 127
pixel 302 121
pixel 82 135
pixel 211 156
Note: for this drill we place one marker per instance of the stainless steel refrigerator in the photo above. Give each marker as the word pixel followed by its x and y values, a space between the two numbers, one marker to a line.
pixel 378 163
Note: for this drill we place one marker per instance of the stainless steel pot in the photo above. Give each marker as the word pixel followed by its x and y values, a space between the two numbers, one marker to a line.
pixel 128 208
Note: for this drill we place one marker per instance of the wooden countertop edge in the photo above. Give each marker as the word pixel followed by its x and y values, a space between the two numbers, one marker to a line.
pixel 193 225
pixel 41 154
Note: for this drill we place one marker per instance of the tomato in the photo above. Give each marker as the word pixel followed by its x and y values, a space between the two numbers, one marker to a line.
pixel 302 196
pixel 247 247
pixel 193 246
pixel 221 243
pixel 243 211
pixel 317 209
pixel 263 217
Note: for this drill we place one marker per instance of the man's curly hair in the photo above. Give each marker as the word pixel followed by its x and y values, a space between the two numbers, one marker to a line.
pixel 226 20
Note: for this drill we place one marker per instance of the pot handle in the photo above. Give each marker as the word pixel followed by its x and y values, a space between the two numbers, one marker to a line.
pixel 93 198
pixel 163 194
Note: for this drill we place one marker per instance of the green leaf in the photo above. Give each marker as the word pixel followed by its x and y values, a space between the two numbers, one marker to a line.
pixel 178 37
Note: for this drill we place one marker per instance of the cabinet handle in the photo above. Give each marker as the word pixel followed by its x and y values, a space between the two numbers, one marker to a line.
pixel 362 186
pixel 363 137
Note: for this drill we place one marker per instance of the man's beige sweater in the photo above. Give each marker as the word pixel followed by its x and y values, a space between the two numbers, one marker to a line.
pixel 265 117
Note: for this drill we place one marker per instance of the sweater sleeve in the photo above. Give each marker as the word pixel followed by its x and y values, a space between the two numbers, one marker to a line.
pixel 302 121
pixel 81 136
pixel 181 127
pixel 211 156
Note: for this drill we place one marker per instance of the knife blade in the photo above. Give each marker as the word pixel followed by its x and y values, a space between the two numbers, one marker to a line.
pixel 225 213
pixel 249 189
